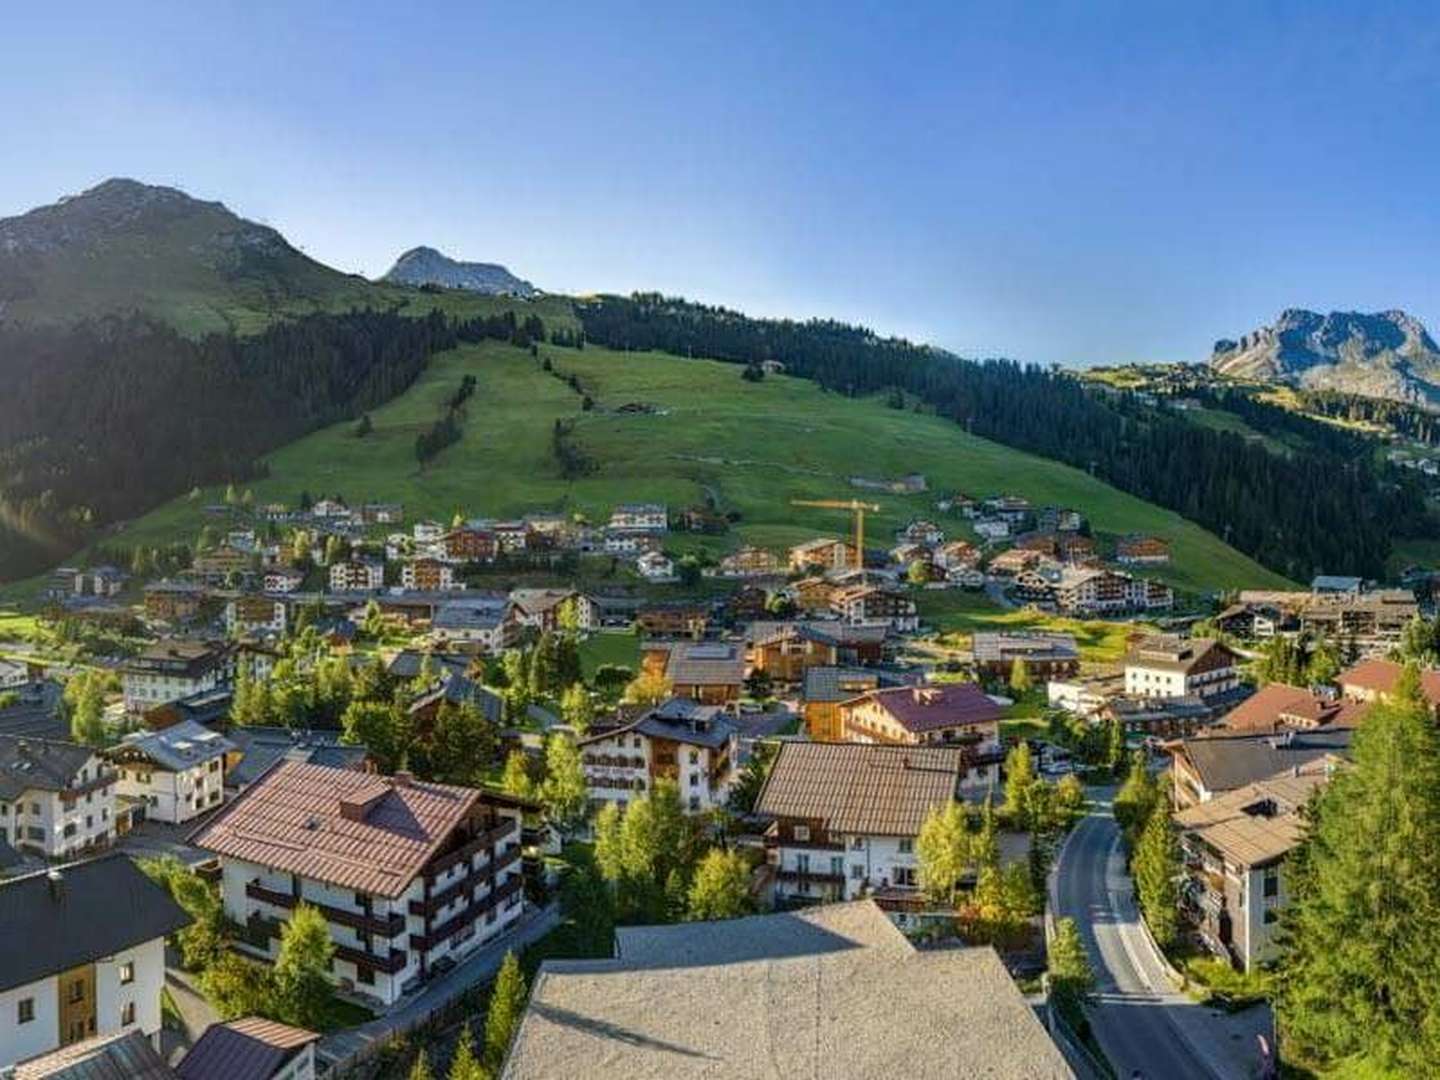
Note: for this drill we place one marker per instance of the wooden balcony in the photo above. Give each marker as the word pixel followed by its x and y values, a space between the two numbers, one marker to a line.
pixel 483 840
pixel 452 926
pixel 810 877
pixel 389 926
pixel 389 964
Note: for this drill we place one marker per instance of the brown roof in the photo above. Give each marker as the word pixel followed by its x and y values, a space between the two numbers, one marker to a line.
pixel 1254 824
pixel 928 708
pixel 1166 652
pixel 1279 706
pixel 861 787
pixel 248 1049
pixel 339 826
pixel 121 1055
pixel 705 663
pixel 1380 676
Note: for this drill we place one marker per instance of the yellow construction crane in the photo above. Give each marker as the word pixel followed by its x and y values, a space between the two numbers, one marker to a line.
pixel 856 507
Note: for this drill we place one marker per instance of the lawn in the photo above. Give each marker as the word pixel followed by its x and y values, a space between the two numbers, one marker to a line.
pixel 694 429
pixel 601 648
pixel 959 614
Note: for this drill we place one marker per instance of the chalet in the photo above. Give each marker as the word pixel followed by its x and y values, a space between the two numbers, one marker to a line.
pixel 924 533
pixel 1375 680
pixel 1012 562
pixel 13 674
pixel 466 545
pixel 175 774
pixel 655 566
pixel 846 816
pixel 332 509
pixel 1042 542
pixel 428 532
pixel 82 955
pixel 957 714
pixel 1336 585
pixel 786 651
pixel 825 553
pixel 678 619
pixel 440 875
pixel 221 565
pixel 827 688
pixel 428 575
pixel 514 537
pixel 172 601
pixel 175 668
pixel 1373 621
pixel 957 554
pixel 1044 656
pixel 1138 550
pixel 1231 850
pixel 1214 762
pixel 693 746
pixel 870 605
pixel 100 581
pixel 251 613
pixel 283 579
pixel 1255 621
pixel 251 1049
pixel 357 575
pixel 991 530
pixel 707 672
pixel 1009 508
pixel 966 577
pixel 703 519
pixel 1074 547
pixel 1097 592
pixel 57 799
pixel 812 593
pixel 1278 708
pixel 453 688
pixel 1163 665
pixel 749 562
pixel 907 552
pixel 639 517
pixel 542 608
pixel 1157 717
pixel 483 625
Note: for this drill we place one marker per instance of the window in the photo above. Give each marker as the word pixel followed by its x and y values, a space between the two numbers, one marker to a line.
pixel 127 972
pixel 905 876
pixel 802 833
pixel 127 1014
pixel 1271 915
pixel 364 975
pixel 857 871
pixel 858 844
pixel 27 1010
pixel 1272 884
pixel 77 991
pixel 906 846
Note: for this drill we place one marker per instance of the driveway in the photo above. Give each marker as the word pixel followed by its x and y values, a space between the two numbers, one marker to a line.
pixel 341 1046
pixel 1145 1027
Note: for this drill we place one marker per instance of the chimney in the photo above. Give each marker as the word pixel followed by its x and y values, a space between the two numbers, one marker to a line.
pixel 56 881
pixel 403 778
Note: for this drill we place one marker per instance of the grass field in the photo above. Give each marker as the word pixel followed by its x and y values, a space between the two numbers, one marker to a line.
pixel 959 614
pixel 599 649
pixel 753 446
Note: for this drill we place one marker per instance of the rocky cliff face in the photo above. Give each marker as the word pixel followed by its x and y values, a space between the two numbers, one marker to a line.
pixel 426 266
pixel 1388 354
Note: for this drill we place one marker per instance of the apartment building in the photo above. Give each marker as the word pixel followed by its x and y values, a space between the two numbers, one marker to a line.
pixel 1166 666
pixel 57 799
pixel 870 605
pixel 174 668
pixel 406 873
pixel 639 517
pixel 357 575
pixel 82 954
pixel 176 774
pixel 694 746
pixel 1043 656
pixel 845 816
pixel 1091 591
pixel 252 614
pixel 958 714
pixel 427 575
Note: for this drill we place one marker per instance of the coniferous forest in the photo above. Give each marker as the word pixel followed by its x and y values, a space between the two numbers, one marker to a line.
pixel 1327 509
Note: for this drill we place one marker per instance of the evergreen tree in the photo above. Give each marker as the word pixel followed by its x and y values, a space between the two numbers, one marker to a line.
pixel 302 969
pixel 1361 933
pixel 1115 745
pixel 507 1005
pixel 1156 867
pixel 464 1065
pixel 721 889
pixel 576 708
pixel 1071 975
pixel 380 727
pixel 420 1070
pixel 1020 682
pixel 1019 777
pixel 87 713
pixel 1135 799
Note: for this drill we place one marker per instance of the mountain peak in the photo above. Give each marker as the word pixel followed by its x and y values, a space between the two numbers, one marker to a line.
pixel 426 266
pixel 1385 354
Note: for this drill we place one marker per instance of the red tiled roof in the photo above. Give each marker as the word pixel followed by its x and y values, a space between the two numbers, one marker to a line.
pixel 926 708
pixel 1381 676
pixel 291 820
pixel 1279 706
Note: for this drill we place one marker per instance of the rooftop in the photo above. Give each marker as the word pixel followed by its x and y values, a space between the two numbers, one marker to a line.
pixel 999 647
pixel 1278 706
pixel 248 1049
pixel 351 829
pixel 928 708
pixel 834 991
pixel 177 748
pixel 1380 677
pixel 697 663
pixel 122 1055
pixel 28 764
pixel 1168 652
pixel 1255 824
pixel 1225 761
pixel 860 787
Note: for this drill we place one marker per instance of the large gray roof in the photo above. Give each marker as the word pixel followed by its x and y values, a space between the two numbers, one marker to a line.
pixel 1225 762
pixel 178 747
pixel 122 1055
pixel 38 764
pixel 94 909
pixel 833 992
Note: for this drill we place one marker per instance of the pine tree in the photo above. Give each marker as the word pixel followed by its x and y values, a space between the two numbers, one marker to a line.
pixel 576 708
pixel 1361 933
pixel 464 1065
pixel 1071 975
pixel 1156 866
pixel 302 969
pixel 564 791
pixel 420 1070
pixel 507 1005
pixel 515 780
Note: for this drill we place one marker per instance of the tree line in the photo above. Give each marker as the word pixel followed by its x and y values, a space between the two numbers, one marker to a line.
pixel 1298 515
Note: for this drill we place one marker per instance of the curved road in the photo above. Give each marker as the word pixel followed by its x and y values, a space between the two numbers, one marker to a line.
pixel 1138 1019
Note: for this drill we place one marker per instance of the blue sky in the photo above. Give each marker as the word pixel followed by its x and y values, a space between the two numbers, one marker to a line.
pixel 1072 183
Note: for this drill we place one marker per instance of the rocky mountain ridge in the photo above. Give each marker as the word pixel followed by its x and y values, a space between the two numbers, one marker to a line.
pixel 426 266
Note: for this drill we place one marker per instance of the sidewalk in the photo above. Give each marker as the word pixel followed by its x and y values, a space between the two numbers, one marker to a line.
pixel 340 1047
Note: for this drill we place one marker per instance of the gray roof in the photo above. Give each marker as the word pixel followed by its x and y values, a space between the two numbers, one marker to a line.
pixel 262 747
pixel 992 647
pixel 248 1049
pixel 485 615
pixel 178 747
pixel 835 991
pixel 36 714
pixel 121 1055
pixel 1224 762
pixel 684 721
pixel 93 909
pixel 457 689
pixel 833 684
pixel 706 663
pixel 39 764
pixel 407 663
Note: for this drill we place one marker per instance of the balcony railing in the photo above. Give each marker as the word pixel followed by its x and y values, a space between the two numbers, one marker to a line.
pixel 486 839
pixel 452 926
pixel 388 926
pixel 801 877
pixel 389 964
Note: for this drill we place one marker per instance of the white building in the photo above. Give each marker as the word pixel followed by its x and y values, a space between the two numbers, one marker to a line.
pixel 1165 666
pixel 57 799
pixel 438 875
pixel 251 614
pixel 82 954
pixel 846 816
pixel 283 579
pixel 640 517
pixel 693 745
pixel 656 566
pixel 173 669
pixel 178 773
pixel 13 674
pixel 357 575
pixel 485 626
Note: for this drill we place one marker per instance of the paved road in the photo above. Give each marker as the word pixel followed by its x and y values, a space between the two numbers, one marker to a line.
pixel 343 1045
pixel 1141 1023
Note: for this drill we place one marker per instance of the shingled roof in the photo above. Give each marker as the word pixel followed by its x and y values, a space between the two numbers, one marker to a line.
pixel 351 829
pixel 28 764
pixel 121 1055
pixel 861 787
pixel 928 708
pixel 248 1049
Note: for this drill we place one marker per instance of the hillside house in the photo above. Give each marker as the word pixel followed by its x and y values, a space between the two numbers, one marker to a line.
pixel 172 601
pixel 176 774
pixel 673 619
pixel 483 625
pixel 1043 656
pixel 252 613
pixel 1090 591
pixel 174 668
pixel 957 555
pixel 440 875
pixel 382 513
pixel 513 537
pixel 706 672
pixel 639 517
pixel 1157 717
pixel 428 575
pixel 357 575
pixel 655 566
pixel 1013 509
pixel 1164 665
pixel 82 955
pixel 100 581
pixel 1139 550
pixel 466 545
pixel 1012 562
pixel 1336 585
pixel 812 593
pixel 428 532
pixel 826 689
pixel 786 651
pixel 221 565
pixel 282 579
pixel 991 530
pixel 1375 680
pixel 542 608
pixel 1214 762
pixel 870 605
pixel 749 562
pixel 696 747
pixel 330 510
pixel 822 554
pixel 922 532
pixel 57 798
pixel 955 714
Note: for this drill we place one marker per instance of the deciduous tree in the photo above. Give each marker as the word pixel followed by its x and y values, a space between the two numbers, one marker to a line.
pixel 721 889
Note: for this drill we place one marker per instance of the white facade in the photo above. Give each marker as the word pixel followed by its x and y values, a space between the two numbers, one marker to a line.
pixel 174 796
pixel 127 995
pixel 357 576
pixel 655 566
pixel 640 517
pixel 283 581
pixel 844 868
pixel 58 824
pixel 622 766
pixel 252 618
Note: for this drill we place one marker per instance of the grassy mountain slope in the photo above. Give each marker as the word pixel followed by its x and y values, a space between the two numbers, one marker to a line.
pixel 125 246
pixel 755 446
